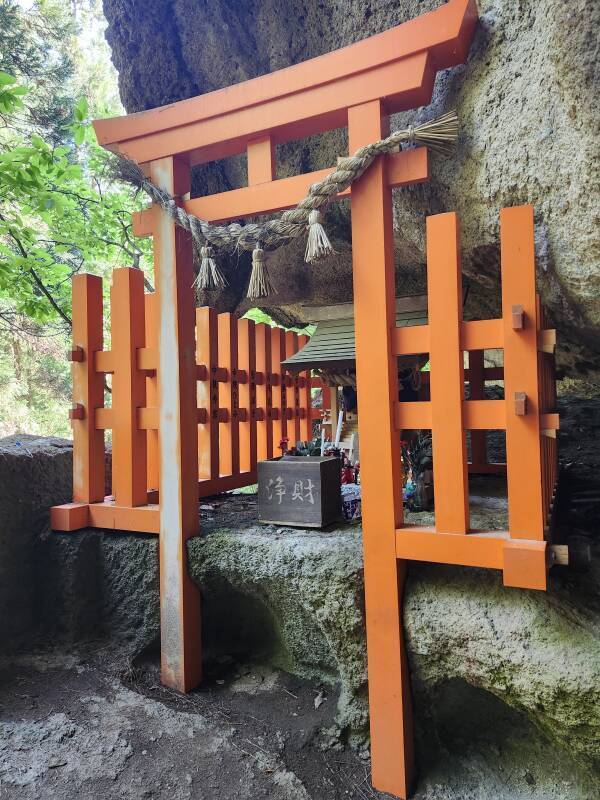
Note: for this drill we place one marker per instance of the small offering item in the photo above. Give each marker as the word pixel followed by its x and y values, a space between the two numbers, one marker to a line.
pixel 351 501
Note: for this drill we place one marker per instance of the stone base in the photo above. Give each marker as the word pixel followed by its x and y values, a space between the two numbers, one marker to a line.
pixel 293 599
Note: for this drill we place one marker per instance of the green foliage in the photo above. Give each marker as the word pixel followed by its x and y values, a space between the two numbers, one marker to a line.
pixel 60 213
pixel 35 384
pixel 36 48
pixel 258 315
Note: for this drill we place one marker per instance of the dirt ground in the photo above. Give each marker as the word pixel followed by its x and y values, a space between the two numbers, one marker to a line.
pixel 84 724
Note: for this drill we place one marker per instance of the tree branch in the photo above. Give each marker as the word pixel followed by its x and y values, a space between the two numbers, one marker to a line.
pixel 38 281
pixel 51 300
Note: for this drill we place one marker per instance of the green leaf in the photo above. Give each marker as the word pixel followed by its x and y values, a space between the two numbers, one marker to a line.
pixel 6 79
pixel 81 109
pixel 79 134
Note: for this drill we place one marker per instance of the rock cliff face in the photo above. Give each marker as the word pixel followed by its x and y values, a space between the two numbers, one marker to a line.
pixel 528 118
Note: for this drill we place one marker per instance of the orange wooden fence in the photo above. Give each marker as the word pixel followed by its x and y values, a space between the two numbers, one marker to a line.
pixel 527 412
pixel 246 403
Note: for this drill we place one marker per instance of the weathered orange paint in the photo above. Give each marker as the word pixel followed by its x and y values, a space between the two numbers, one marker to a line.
pixel 229 438
pixel 264 425
pixel 88 390
pixel 247 394
pixel 374 320
pixel 181 652
pixel 129 477
pixel 517 260
pixel 444 295
pixel 208 393
pixel 151 337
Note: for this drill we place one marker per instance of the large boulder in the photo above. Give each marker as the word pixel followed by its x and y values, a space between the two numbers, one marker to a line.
pixel 293 599
pixel 35 473
pixel 528 119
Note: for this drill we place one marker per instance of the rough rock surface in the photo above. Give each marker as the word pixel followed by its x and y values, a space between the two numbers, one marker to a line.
pixel 506 682
pixel 539 653
pixel 294 599
pixel 529 126
pixel 69 727
pixel 74 723
pixel 296 595
pixel 34 474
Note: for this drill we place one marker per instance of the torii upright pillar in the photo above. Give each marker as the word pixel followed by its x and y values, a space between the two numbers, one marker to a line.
pixel 390 705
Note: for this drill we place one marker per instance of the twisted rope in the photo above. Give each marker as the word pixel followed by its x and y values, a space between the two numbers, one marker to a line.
pixel 439 135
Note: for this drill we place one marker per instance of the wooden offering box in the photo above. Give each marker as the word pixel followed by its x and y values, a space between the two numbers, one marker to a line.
pixel 300 490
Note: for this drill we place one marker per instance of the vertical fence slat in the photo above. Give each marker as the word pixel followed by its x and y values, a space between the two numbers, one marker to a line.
pixel 247 394
pixel 151 326
pixel 444 289
pixel 305 400
pixel 207 392
pixel 128 387
pixel 264 424
pixel 278 391
pixel 229 454
pixel 88 390
pixel 293 422
pixel 523 452
pixel 477 392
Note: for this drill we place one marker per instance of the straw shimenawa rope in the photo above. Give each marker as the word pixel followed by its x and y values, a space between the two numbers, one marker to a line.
pixel 439 135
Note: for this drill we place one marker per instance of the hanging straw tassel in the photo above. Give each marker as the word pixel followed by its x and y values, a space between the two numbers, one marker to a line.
pixel 317 245
pixel 260 284
pixel 209 275
pixel 439 134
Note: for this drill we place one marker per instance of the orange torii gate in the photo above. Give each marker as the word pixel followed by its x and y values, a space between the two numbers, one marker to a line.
pixel 359 87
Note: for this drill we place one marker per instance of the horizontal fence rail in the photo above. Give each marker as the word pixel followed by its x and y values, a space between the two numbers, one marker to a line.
pixel 247 403
pixel 527 413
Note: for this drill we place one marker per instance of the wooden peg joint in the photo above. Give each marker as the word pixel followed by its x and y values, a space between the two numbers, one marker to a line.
pixel 77 412
pixel 518 318
pixel 520 404
pixel 76 354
